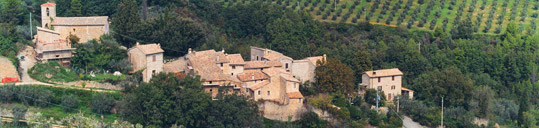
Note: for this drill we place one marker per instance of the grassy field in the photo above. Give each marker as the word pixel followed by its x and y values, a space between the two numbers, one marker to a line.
pixel 488 16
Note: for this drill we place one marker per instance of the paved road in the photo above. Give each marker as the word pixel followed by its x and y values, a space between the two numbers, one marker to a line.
pixel 407 122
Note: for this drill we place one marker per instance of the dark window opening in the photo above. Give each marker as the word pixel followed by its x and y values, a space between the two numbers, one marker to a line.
pixel 47 11
pixel 57 55
pixel 233 67
pixel 393 78
pixel 379 79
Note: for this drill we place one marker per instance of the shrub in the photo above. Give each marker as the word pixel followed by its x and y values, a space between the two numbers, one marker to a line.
pixel 52 72
pixel 70 102
pixel 18 112
pixel 322 101
pixel 334 17
pixel 102 103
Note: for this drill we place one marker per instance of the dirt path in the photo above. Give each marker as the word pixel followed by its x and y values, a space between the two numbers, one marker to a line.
pixel 407 122
pixel 29 61
pixel 7 69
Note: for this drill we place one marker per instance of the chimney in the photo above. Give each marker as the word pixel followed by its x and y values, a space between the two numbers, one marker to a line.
pixel 137 44
pixel 223 50
pixel 374 73
pixel 253 76
pixel 189 51
pixel 218 58
pixel 324 57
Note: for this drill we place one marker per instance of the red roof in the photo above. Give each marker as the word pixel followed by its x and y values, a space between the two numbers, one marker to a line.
pixel 48 4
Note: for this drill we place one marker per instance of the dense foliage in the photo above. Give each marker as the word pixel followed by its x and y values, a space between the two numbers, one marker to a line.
pixel 99 57
pixel 52 72
pixel 167 100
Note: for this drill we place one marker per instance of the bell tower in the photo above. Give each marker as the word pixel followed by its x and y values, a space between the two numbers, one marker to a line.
pixel 48 13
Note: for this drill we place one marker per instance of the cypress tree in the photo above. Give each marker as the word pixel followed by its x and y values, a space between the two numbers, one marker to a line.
pixel 76 8
pixel 125 22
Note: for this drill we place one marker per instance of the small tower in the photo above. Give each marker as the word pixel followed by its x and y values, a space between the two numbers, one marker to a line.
pixel 48 13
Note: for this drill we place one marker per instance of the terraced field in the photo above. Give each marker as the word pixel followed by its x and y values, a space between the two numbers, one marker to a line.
pixel 487 16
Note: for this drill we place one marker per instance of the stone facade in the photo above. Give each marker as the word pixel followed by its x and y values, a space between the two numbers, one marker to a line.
pixel 148 57
pixel 86 28
pixel 49 47
pixel 387 80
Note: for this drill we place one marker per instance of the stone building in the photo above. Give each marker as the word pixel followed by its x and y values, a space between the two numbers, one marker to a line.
pixel 147 57
pixel 86 28
pixel 262 79
pixel 387 80
pixel 51 48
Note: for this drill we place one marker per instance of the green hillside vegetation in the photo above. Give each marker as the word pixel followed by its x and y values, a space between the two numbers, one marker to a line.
pixel 488 16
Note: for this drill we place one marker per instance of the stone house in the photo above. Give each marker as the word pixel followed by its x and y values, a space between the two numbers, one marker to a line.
pixel 262 79
pixel 86 28
pixel 51 48
pixel 301 69
pixel 146 57
pixel 387 80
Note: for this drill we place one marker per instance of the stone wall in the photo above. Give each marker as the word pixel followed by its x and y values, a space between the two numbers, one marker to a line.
pixel 85 33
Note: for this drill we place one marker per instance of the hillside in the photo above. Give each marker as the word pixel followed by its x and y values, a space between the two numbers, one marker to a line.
pixel 488 16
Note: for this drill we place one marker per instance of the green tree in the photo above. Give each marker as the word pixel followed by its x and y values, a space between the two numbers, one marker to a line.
pixel 233 111
pixel 450 83
pixel 12 12
pixel 126 21
pixel 362 62
pixel 175 34
pixel 334 76
pixel 524 106
pixel 311 120
pixel 463 30
pixel 102 103
pixel 76 8
pixel 167 100
pixel 18 112
pixel 370 97
pixel 70 102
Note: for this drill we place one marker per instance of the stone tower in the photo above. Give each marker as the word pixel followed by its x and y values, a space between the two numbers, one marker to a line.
pixel 48 13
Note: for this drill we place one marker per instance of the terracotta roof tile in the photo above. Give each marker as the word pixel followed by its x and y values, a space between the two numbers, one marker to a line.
pixel 384 72
pixel 48 4
pixel 236 59
pixel 175 66
pixel 149 48
pixel 315 59
pixel 251 76
pixel 294 95
pixel 93 20
pixel 258 85
pixel 289 78
pixel 256 64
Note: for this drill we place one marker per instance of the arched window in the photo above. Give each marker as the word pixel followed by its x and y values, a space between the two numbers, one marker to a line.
pixel 47 11
pixel 46 25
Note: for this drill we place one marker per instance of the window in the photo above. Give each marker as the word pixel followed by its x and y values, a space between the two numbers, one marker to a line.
pixel 255 81
pixel 379 79
pixel 57 55
pixel 153 72
pixel 299 100
pixel 221 64
pixel 393 78
pixel 210 82
pixel 46 25
pixel 393 87
pixel 232 73
pixel 268 93
pixel 294 85
pixel 246 90
pixel 258 92
pixel 47 11
pixel 379 87
pixel 286 65
pixel 153 58
pixel 256 57
pixel 233 67
pixel 211 91
pixel 73 30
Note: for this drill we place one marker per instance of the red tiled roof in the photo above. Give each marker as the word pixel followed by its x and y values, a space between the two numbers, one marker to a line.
pixel 289 78
pixel 149 48
pixel 251 76
pixel 236 59
pixel 48 4
pixel 294 95
pixel 258 85
pixel 92 20
pixel 384 72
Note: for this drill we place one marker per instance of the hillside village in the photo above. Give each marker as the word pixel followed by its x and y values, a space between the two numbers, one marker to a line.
pixel 256 64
